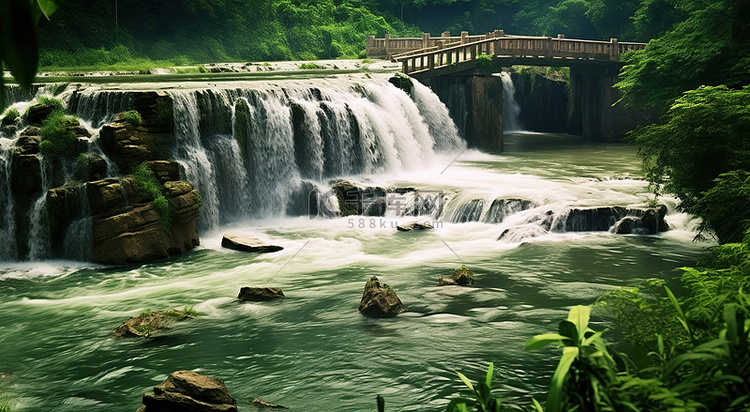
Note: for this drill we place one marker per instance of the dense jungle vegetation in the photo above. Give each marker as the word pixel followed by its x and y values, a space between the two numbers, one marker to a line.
pixel 122 33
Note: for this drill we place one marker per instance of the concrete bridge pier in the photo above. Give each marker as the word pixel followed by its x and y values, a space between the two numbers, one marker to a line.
pixel 476 105
pixel 590 111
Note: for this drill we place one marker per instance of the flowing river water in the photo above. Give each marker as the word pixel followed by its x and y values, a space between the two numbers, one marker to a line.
pixel 313 351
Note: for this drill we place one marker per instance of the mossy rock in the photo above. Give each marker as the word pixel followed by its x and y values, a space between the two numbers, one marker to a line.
pixel 149 323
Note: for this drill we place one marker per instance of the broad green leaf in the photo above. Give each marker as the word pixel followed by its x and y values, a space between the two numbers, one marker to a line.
pixel 47 7
pixel 592 338
pixel 540 341
pixel 569 330
pixel 18 39
pixel 675 303
pixel 466 381
pixel 490 372
pixel 536 405
pixel 579 316
pixel 554 399
pixel 459 405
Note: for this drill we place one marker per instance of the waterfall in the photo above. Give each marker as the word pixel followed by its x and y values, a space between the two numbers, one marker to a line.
pixel 7 202
pixel 511 109
pixel 40 240
pixel 283 143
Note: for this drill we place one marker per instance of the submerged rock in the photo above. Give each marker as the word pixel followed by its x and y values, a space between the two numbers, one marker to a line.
pixel 248 244
pixel 148 323
pixel 259 294
pixel 379 300
pixel 263 404
pixel 187 391
pixel 462 276
pixel 407 227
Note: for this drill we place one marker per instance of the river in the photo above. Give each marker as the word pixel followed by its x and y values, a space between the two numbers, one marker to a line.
pixel 313 351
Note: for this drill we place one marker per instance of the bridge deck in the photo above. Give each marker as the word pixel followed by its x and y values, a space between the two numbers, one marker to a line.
pixel 455 56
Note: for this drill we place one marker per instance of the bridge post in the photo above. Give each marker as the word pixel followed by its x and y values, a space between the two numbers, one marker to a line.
pixel 614 53
pixel 591 97
pixel 426 40
pixel 464 37
pixel 445 34
pixel 487 112
pixel 388 46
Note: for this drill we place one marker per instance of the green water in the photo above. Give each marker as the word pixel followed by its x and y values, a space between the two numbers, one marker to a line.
pixel 313 351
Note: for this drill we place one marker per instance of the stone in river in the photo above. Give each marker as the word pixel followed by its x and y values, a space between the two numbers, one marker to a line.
pixel 250 294
pixel 248 244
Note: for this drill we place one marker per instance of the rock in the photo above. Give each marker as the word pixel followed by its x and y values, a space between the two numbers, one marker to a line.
pixel 406 227
pixel 27 143
pixel 187 391
pixel 32 131
pixel 39 112
pixel 248 244
pixel 255 294
pixel 502 208
pixel 128 145
pixel 379 300
pixel 4 375
pixel 653 219
pixel 263 404
pixel 462 276
pixel 149 323
pixel 355 200
pixel 177 188
pixel 164 170
pixel 404 83
pixel 26 174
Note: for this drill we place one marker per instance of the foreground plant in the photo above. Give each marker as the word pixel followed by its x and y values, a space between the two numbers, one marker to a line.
pixel 482 400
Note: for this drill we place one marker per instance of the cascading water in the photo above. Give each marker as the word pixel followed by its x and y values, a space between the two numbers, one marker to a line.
pixel 40 241
pixel 511 108
pixel 7 202
pixel 281 136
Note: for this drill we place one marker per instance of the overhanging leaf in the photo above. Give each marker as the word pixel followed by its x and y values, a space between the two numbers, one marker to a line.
pixel 579 316
pixel 47 7
pixel 18 39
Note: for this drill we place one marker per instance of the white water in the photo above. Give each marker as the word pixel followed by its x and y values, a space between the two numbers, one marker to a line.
pixel 511 108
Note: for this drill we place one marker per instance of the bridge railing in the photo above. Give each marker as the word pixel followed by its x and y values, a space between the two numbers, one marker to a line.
pixel 389 47
pixel 515 46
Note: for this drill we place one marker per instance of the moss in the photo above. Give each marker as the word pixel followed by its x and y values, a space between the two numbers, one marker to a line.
pixel 10 117
pixel 463 272
pixel 132 117
pixel 146 180
pixel 58 140
pixel 484 63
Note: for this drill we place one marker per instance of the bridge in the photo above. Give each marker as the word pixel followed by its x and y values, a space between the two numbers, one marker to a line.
pixel 594 67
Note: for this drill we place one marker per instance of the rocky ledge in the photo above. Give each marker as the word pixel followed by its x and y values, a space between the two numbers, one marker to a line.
pixel 187 391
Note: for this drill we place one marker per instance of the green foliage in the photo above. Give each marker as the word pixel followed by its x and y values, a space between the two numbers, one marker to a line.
pixel 585 377
pixel 701 50
pixel 146 180
pixel 725 208
pixel 10 117
pixel 700 137
pixel 5 406
pixel 310 66
pixel 484 63
pixel 643 313
pixel 58 138
pixel 480 395
pixel 132 117
pixel 18 39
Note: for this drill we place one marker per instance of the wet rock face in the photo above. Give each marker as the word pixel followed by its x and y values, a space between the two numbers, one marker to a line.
pixel 379 300
pixel 261 294
pixel 128 145
pixel 355 200
pixel 186 391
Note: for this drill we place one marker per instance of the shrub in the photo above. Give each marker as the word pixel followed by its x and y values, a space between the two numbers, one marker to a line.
pixel 58 140
pixel 484 63
pixel 10 117
pixel 132 117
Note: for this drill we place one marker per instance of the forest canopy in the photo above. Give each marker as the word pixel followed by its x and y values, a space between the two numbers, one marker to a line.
pixel 100 33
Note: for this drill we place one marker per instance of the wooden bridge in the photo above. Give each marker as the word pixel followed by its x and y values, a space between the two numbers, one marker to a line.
pixel 452 66
pixel 427 57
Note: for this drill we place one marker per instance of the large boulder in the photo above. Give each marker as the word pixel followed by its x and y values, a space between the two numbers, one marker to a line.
pixel 149 323
pixel 37 113
pixel 259 294
pixel 129 145
pixel 248 244
pixel 379 300
pixel 26 174
pixel 187 391
pixel 356 200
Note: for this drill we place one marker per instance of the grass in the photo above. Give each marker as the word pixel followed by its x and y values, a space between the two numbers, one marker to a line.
pixel 146 180
pixel 132 117
pixel 5 406
pixel 58 140
pixel 10 117
pixel 310 66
